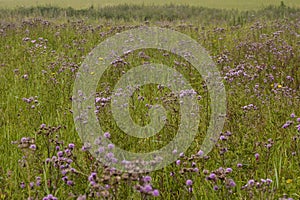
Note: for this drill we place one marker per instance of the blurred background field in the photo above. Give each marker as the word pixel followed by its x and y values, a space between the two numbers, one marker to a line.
pixel 81 4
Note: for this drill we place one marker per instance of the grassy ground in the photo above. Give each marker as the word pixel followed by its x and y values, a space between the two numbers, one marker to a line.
pixel 257 156
pixel 79 4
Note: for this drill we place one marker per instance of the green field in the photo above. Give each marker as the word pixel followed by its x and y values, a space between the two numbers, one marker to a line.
pixel 255 156
pixel 221 4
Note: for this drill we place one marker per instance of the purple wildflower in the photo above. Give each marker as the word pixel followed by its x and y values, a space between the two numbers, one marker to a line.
pixel 189 182
pixel 71 146
pixel 147 179
pixel 33 147
pixel 216 188
pixel 155 193
pixel 147 188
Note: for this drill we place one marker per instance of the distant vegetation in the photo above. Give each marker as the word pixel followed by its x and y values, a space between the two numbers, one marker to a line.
pixel 154 13
pixel 79 4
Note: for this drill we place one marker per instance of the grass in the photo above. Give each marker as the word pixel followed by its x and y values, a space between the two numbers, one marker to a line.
pixel 79 4
pixel 257 156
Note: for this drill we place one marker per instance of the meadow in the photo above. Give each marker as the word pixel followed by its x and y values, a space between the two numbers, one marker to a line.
pixel 79 4
pixel 257 52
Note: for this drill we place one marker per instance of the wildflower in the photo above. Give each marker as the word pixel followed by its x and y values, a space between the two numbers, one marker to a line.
pixel 251 182
pixel 64 178
pixel 174 151
pixel 212 176
pixel 22 185
pixel 107 135
pixel 216 188
pixel 222 137
pixel 228 170
pixel 147 179
pixel 231 183
pixel 189 182
pixel 288 181
pixel 38 181
pixel 49 197
pixel 239 165
pixel 147 188
pixel 32 147
pixel 43 126
pixel 293 115
pixel 70 183
pixel 177 162
pixel 155 193
pixel 110 146
pixel 110 155
pixel 256 156
pixel 60 154
pixel 200 153
pixel 71 146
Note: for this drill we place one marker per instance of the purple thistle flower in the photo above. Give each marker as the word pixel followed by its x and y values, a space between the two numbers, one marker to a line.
pixel 71 146
pixel 155 193
pixel 196 170
pixel 228 170
pixel 293 115
pixel 231 183
pixel 42 126
pixel 147 188
pixel 110 155
pixel 256 156
pixel 200 153
pixel 60 154
pixel 251 182
pixel 31 185
pixel 222 137
pixel 110 146
pixel 23 139
pixel 107 134
pixel 189 182
pixel 57 148
pixel 269 181
pixel 298 119
pixel 177 162
pixel 147 179
pixel 70 183
pixel 193 164
pixel 239 165
pixel 63 172
pixel 32 147
pixel 100 150
pixel 22 185
pixel 212 176
pixel 64 178
pixel 216 188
